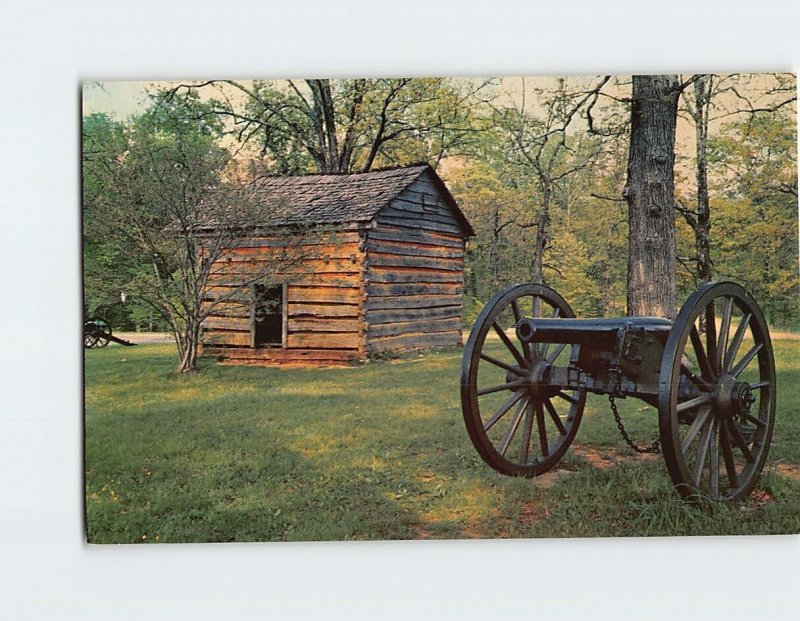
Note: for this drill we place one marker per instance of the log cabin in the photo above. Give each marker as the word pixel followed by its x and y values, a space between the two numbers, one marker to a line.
pixel 385 273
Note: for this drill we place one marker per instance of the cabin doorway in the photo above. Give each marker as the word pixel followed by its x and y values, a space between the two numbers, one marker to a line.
pixel 269 303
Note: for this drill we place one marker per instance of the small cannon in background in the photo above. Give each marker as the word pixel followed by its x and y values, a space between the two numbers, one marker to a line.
pixel 97 333
pixel 528 364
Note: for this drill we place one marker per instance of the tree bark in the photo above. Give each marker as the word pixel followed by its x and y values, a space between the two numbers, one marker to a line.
pixel 650 194
pixel 188 349
pixel 325 124
pixel 542 237
pixel 494 250
pixel 702 94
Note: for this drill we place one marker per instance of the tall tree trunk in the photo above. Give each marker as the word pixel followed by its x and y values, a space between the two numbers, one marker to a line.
pixel 606 265
pixel 351 135
pixel 542 220
pixel 325 124
pixel 702 95
pixel 650 193
pixel 494 250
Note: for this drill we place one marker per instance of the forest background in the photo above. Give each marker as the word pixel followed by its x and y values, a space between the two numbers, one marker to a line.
pixel 538 165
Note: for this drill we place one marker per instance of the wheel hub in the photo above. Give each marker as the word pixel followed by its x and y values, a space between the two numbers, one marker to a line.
pixel 732 397
pixel 538 380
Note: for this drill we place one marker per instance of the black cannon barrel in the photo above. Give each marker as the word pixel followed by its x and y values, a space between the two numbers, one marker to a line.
pixel 581 331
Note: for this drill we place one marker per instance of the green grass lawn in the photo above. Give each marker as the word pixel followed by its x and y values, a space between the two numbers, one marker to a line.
pixel 378 451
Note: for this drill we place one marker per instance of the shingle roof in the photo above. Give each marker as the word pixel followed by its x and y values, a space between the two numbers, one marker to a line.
pixel 332 199
pixel 337 199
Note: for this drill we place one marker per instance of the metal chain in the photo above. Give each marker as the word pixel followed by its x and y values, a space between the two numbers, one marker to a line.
pixel 654 446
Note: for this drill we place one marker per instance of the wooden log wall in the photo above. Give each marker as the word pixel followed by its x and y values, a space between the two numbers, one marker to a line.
pixel 415 273
pixel 324 305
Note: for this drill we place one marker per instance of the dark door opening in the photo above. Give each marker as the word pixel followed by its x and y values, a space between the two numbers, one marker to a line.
pixel 268 315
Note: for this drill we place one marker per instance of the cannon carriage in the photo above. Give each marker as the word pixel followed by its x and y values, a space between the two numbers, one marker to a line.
pixel 529 363
pixel 97 333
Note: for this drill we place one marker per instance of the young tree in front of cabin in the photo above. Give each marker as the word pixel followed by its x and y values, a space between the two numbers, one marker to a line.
pixel 650 193
pixel 171 214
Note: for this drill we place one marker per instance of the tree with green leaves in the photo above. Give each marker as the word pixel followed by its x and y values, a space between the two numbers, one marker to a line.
pixel 711 100
pixel 546 155
pixel 755 180
pixel 104 142
pixel 340 126
pixel 495 205
pixel 161 209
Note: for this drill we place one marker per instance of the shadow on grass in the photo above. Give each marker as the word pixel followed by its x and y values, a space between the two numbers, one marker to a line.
pixel 219 487
pixel 374 452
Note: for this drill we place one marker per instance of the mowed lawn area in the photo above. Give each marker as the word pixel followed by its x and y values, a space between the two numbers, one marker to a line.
pixel 378 451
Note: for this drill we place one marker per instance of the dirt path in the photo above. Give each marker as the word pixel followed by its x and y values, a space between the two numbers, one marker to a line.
pixel 143 337
pixel 784 336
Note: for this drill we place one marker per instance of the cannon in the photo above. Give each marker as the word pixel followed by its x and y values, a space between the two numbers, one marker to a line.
pixel 97 333
pixel 528 365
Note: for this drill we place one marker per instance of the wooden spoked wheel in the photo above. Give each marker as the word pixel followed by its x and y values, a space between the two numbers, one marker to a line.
pixel 96 332
pixel 518 425
pixel 89 336
pixel 716 431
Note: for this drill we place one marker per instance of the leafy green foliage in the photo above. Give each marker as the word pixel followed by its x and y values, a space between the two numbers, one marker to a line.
pixel 532 174
pixel 160 207
pixel 755 213
pixel 103 143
